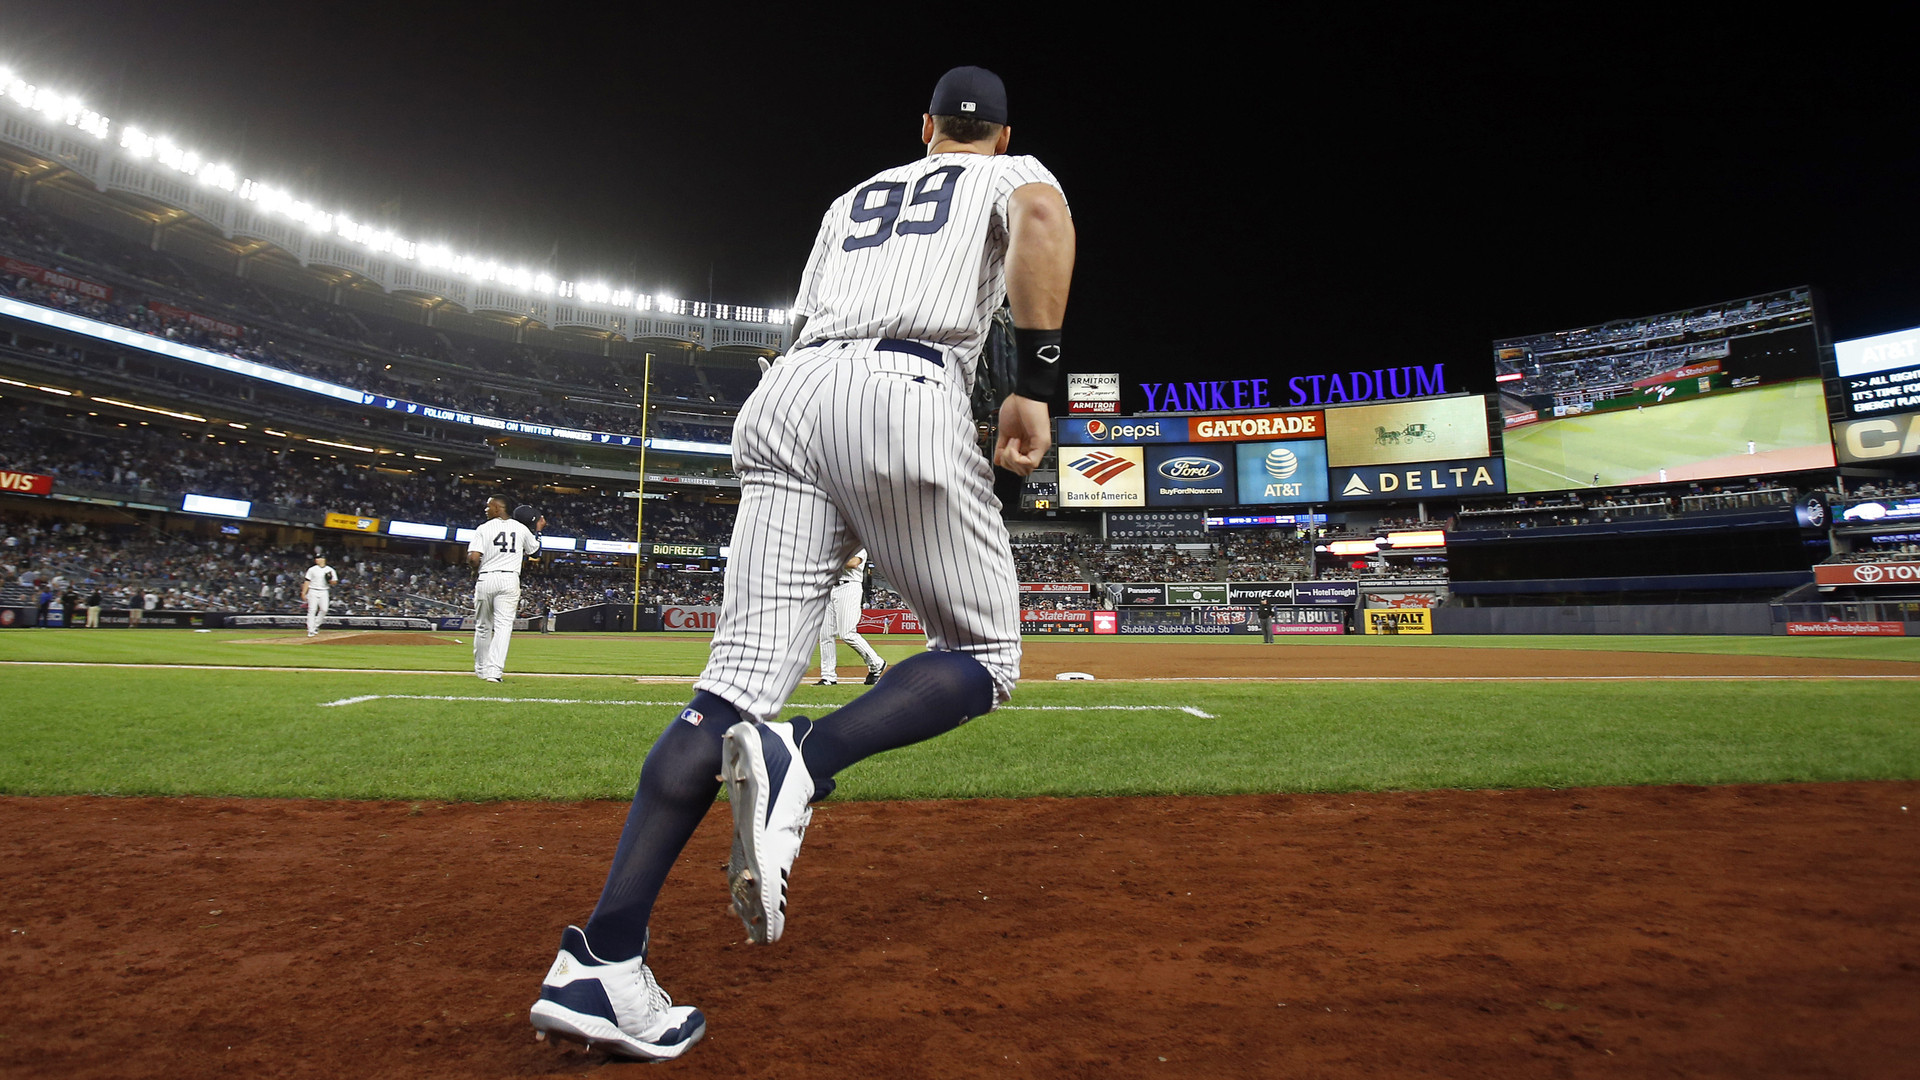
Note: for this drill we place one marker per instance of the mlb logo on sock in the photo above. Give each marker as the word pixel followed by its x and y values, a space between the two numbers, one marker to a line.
pixel 692 716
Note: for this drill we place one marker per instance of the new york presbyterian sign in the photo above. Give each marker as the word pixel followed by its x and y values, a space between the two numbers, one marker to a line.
pixel 1344 388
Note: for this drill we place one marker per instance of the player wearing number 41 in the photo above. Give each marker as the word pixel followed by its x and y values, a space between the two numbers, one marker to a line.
pixel 862 435
pixel 496 551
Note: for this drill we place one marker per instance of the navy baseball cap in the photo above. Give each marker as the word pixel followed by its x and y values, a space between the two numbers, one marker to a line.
pixel 970 91
pixel 526 515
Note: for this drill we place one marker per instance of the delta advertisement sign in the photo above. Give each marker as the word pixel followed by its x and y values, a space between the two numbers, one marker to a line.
pixel 1382 483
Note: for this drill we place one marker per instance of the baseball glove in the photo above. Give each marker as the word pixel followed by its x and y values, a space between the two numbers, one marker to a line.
pixel 993 375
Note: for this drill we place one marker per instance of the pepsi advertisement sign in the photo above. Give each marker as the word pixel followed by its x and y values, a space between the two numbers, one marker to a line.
pixel 1125 431
pixel 1282 472
pixel 1189 475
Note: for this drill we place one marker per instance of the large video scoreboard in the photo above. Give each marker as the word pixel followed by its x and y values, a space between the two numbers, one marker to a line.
pixel 1727 389
pixel 1396 450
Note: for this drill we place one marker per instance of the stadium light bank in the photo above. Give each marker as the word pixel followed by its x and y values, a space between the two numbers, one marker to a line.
pixel 70 111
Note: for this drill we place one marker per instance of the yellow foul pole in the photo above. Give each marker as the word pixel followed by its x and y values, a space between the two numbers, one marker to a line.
pixel 640 489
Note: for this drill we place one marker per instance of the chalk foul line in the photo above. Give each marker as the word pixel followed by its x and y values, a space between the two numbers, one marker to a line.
pixel 363 698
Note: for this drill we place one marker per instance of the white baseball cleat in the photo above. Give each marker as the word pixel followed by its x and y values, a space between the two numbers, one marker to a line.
pixel 616 1007
pixel 768 789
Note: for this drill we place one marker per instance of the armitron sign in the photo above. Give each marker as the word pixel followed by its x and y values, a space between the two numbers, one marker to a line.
pixel 1868 573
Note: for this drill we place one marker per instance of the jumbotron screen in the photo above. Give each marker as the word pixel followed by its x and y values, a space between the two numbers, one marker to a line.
pixel 1729 389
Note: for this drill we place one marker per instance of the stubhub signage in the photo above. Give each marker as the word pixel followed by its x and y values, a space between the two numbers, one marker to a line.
pixel 1473 476
pixel 1125 431
pixel 1187 475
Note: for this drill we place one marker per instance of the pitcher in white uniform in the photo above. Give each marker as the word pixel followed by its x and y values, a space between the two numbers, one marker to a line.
pixel 843 622
pixel 317 590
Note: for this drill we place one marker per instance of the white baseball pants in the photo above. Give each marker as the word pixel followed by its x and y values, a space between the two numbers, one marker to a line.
pixel 316 609
pixel 845 445
pixel 843 622
pixel 496 600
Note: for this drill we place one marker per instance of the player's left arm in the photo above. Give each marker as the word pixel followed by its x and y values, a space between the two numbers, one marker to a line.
pixel 1040 252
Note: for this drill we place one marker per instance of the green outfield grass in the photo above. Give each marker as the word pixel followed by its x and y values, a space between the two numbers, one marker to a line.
pixel 685 654
pixel 155 730
pixel 1633 445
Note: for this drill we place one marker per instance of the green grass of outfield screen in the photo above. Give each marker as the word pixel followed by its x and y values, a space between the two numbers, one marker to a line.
pixel 1692 439
pixel 265 730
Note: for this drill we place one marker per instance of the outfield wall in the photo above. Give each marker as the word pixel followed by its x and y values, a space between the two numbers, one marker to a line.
pixel 1608 619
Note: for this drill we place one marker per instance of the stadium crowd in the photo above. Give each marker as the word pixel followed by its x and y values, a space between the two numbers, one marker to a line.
pixel 151 462
pixel 166 297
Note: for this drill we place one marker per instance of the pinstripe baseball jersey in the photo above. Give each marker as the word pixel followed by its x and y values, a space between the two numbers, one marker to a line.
pixel 917 252
pixel 856 575
pixel 502 544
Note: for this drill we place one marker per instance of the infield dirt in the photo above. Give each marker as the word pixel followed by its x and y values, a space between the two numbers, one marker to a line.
pixel 1742 931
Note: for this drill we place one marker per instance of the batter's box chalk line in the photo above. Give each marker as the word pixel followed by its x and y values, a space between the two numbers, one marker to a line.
pixel 363 698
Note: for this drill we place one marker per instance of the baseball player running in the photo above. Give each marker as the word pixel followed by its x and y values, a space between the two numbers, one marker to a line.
pixel 317 589
pixel 499 546
pixel 861 435
pixel 843 622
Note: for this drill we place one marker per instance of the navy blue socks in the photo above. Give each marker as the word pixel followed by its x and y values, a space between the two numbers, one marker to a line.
pixel 918 698
pixel 678 784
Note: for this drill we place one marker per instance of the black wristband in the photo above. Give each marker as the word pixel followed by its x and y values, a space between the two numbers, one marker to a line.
pixel 1037 355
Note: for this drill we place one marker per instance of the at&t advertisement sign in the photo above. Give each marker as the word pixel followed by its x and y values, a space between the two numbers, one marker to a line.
pixel 1294 471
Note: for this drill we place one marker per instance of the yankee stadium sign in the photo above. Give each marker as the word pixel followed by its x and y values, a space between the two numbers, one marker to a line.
pixel 1377 384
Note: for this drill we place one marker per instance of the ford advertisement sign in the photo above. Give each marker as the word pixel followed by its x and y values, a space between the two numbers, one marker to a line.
pixel 1188 475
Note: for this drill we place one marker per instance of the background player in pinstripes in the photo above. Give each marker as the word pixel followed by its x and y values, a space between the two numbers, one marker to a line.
pixel 843 622
pixel 861 435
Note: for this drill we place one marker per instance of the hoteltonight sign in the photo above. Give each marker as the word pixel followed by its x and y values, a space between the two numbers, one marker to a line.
pixel 1379 384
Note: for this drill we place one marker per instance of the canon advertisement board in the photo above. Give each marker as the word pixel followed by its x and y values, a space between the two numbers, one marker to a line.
pixel 1878 438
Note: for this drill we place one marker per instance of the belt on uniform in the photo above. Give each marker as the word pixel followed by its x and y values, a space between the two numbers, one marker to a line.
pixel 924 352
pixel 499 571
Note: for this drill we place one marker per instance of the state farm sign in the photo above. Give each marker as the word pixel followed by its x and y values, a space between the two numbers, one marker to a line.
pixel 1868 573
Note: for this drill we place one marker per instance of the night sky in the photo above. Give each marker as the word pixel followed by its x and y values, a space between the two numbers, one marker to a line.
pixel 1287 195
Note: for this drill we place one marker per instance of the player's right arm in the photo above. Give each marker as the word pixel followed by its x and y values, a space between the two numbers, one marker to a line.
pixel 1040 251
pixel 805 304
pixel 474 549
